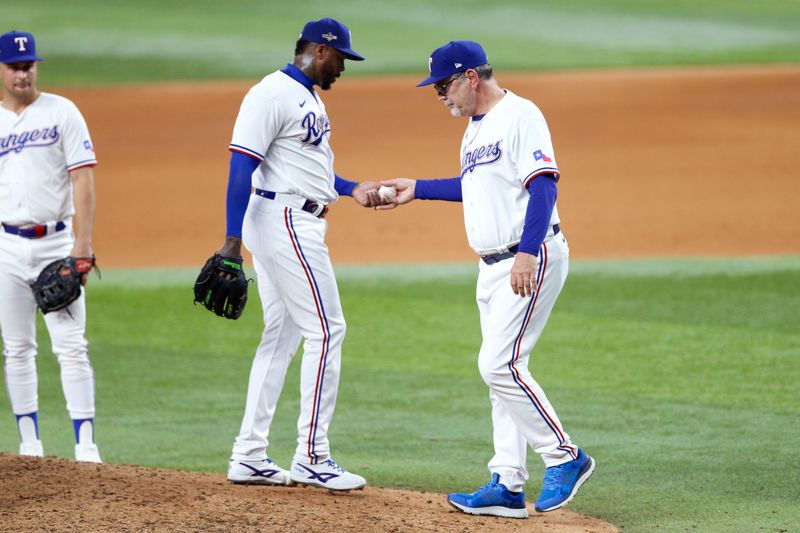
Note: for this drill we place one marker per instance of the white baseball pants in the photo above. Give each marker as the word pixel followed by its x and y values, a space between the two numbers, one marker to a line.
pixel 300 299
pixel 511 325
pixel 21 261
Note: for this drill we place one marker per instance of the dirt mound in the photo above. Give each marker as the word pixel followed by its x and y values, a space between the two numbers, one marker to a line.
pixel 53 494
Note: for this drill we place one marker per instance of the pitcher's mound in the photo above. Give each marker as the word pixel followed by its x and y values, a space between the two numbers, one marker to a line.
pixel 53 494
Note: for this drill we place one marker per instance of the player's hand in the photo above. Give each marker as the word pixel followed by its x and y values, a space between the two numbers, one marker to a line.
pixel 80 249
pixel 366 194
pixel 405 192
pixel 523 274
pixel 231 248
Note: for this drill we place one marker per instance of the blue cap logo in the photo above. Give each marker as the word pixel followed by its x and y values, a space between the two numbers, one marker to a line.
pixel 454 57
pixel 332 33
pixel 17 46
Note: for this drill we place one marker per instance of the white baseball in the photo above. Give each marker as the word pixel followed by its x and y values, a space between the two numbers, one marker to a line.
pixel 387 194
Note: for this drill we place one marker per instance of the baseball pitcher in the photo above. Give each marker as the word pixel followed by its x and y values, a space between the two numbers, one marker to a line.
pixel 508 189
pixel 47 206
pixel 281 148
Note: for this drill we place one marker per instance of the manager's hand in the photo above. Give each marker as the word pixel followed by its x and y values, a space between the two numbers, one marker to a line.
pixel 405 192
pixel 523 274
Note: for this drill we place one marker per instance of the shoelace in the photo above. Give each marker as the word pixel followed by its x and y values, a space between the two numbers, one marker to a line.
pixel 331 463
pixel 492 484
pixel 552 478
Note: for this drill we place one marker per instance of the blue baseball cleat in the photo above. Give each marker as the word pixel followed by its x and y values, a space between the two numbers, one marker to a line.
pixel 561 483
pixel 493 498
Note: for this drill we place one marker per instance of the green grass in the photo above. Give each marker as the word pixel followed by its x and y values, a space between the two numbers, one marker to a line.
pixel 680 377
pixel 112 41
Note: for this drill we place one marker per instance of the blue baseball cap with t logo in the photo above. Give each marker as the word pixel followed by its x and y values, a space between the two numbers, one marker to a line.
pixel 332 33
pixel 17 46
pixel 454 57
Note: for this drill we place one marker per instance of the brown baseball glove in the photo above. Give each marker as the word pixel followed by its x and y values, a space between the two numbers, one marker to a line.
pixel 59 284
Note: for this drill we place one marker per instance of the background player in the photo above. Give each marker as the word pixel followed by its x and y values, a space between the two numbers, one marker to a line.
pixel 508 189
pixel 46 183
pixel 281 146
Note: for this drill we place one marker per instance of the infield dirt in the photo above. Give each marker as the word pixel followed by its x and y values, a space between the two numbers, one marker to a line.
pixel 658 163
pixel 670 162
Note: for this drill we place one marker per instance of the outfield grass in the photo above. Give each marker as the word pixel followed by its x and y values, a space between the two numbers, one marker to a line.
pixel 680 377
pixel 112 41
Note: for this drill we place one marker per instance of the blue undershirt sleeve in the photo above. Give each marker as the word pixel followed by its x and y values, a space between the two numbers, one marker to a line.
pixel 239 187
pixel 448 189
pixel 344 187
pixel 543 192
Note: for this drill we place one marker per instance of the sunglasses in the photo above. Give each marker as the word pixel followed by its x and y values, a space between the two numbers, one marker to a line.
pixel 442 87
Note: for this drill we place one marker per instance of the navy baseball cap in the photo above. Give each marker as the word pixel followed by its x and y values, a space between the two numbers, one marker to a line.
pixel 330 32
pixel 454 57
pixel 16 46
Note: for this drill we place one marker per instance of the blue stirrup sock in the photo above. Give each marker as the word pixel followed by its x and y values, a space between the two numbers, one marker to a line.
pixel 84 430
pixel 28 426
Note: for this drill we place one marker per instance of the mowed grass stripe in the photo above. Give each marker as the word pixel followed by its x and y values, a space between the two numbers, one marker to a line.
pixel 93 41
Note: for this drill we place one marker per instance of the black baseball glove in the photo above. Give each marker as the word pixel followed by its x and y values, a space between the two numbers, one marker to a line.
pixel 59 284
pixel 222 286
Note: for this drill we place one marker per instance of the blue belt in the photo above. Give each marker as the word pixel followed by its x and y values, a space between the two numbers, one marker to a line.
pixel 512 251
pixel 309 206
pixel 32 232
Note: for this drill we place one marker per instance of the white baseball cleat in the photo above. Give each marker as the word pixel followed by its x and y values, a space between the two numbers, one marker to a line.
pixel 257 471
pixel 87 453
pixel 31 449
pixel 327 475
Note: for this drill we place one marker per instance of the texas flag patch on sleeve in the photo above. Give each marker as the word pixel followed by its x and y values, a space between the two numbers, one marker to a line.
pixel 538 155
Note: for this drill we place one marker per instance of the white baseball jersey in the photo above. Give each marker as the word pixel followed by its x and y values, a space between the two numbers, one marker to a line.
pixel 284 125
pixel 38 149
pixel 501 152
